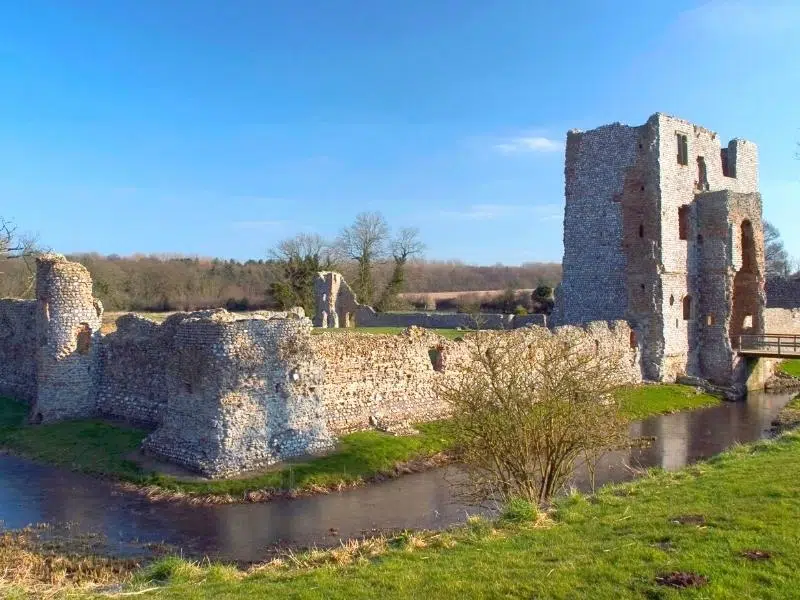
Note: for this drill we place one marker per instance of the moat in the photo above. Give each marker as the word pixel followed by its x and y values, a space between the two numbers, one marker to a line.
pixel 32 493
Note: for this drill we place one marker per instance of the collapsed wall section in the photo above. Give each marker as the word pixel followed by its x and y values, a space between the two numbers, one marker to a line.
pixel 241 394
pixel 133 369
pixel 18 349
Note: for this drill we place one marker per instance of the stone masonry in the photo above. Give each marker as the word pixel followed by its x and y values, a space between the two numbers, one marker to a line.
pixel 662 228
pixel 223 394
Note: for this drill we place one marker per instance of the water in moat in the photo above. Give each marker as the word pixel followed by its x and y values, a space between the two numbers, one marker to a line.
pixel 32 493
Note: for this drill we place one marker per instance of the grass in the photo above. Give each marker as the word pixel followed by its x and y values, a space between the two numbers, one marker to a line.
pixel 791 367
pixel 732 520
pixel 100 448
pixel 642 401
pixel 450 334
pixel 359 456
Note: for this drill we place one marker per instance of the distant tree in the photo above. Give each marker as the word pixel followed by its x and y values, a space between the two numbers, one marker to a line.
pixel 543 300
pixel 365 242
pixel 301 258
pixel 776 258
pixel 405 245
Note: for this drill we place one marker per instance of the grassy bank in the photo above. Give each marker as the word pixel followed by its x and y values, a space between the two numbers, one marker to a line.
pixel 642 401
pixel 729 525
pixel 100 448
pixel 791 367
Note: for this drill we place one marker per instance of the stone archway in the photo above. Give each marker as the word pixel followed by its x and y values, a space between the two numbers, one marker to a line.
pixel 744 310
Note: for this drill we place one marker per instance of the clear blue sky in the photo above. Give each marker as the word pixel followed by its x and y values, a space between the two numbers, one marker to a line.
pixel 219 127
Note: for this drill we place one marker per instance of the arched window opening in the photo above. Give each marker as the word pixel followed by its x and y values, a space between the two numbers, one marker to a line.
pixel 687 308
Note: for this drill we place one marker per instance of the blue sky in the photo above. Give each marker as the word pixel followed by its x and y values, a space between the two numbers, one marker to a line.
pixel 218 128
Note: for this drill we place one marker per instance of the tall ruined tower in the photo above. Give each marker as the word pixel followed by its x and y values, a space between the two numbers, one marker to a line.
pixel 662 227
pixel 68 323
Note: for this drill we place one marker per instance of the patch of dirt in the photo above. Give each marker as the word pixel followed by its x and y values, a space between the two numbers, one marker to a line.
pixel 697 520
pixel 680 580
pixel 756 554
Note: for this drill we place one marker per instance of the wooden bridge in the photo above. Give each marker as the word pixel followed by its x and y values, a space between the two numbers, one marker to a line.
pixel 770 345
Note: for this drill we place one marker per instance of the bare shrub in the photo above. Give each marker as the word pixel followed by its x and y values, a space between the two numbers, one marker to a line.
pixel 528 407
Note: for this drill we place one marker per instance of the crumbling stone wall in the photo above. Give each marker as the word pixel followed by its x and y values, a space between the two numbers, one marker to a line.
pixel 782 320
pixel 133 368
pixel 68 331
pixel 18 349
pixel 783 292
pixel 389 380
pixel 241 394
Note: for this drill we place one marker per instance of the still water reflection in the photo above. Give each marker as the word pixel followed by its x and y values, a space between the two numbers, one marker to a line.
pixel 32 493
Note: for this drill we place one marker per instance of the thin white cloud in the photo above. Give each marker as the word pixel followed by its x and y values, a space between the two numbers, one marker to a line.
pixel 744 17
pixel 528 143
pixel 484 212
pixel 256 224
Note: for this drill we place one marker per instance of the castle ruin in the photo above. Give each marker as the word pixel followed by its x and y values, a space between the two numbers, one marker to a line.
pixel 663 263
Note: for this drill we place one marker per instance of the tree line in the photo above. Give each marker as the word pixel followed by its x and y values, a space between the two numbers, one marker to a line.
pixel 378 263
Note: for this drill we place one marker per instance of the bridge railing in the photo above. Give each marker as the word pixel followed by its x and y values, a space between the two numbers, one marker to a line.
pixel 773 343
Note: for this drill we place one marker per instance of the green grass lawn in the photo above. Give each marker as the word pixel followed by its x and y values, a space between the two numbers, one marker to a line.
pixel 450 334
pixel 100 448
pixel 712 519
pixel 642 401
pixel 791 367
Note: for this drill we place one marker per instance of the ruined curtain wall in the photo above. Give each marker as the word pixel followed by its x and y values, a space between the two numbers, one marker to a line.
pixel 134 363
pixel 783 292
pixel 18 349
pixel 390 380
pixel 782 320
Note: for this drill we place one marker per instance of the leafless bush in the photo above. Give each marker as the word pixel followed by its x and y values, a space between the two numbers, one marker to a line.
pixel 528 406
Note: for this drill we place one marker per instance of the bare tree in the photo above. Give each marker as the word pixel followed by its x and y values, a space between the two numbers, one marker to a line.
pixel 405 245
pixel 528 406
pixel 301 258
pixel 365 242
pixel 15 246
pixel 776 258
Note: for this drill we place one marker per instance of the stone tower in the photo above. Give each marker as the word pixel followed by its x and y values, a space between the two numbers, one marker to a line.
pixel 662 227
pixel 68 323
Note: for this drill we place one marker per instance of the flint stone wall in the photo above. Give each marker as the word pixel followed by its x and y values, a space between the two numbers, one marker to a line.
pixel 241 394
pixel 134 361
pixel 389 380
pixel 782 320
pixel 68 333
pixel 783 292
pixel 18 349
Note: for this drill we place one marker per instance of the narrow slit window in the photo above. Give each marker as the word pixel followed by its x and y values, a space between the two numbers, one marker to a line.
pixel 683 222
pixel 687 308
pixel 683 149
